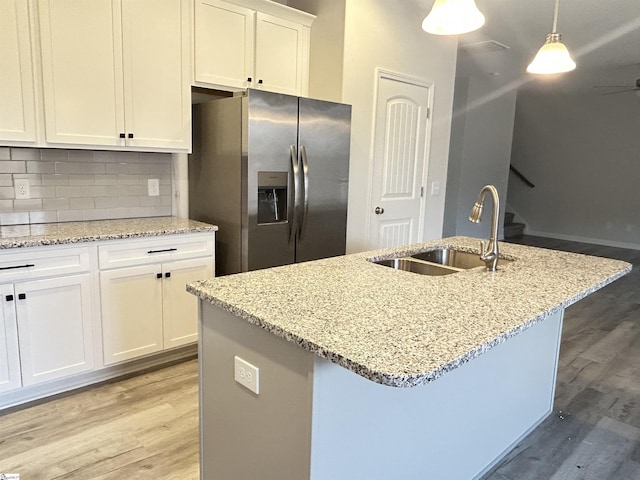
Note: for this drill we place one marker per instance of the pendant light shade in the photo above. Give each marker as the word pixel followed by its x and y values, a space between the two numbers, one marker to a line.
pixel 452 17
pixel 553 56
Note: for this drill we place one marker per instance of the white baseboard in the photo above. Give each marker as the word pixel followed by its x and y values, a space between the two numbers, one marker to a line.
pixel 576 238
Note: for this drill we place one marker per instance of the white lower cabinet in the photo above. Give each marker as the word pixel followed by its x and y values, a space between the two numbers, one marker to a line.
pixel 9 352
pixel 146 308
pixel 54 327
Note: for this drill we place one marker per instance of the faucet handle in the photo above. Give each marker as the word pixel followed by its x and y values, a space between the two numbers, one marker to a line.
pixel 482 251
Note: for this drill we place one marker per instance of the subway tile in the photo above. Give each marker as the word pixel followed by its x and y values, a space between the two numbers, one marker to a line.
pixel 55 179
pixel 6 206
pixel 20 218
pixel 9 166
pixel 43 192
pixel 116 168
pixel 164 169
pixel 7 193
pixel 121 212
pixel 128 202
pixel 96 214
pixel 105 156
pixel 70 215
pixel 55 204
pixel 40 167
pixel 6 180
pixel 25 154
pixel 81 179
pixel 5 153
pixel 68 192
pixel 95 168
pixel 54 154
pixel 162 211
pixel 80 155
pixel 106 179
pixel 43 217
pixel 66 167
pixel 139 168
pixel 118 191
pixel 34 179
pixel 139 190
pixel 82 203
pixel 141 211
pixel 94 191
pixel 128 179
pixel 106 202
pixel 27 205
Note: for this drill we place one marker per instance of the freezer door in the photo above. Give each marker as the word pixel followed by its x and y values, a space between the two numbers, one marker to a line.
pixel 323 139
pixel 268 147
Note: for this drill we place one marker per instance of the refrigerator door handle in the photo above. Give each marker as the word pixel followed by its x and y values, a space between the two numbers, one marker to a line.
pixel 293 198
pixel 305 188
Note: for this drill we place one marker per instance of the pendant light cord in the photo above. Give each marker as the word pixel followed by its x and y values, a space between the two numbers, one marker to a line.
pixel 555 17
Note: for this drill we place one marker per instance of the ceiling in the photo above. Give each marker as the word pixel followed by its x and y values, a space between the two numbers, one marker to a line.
pixel 603 37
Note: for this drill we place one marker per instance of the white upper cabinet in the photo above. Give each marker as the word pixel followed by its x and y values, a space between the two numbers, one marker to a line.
pixel 251 43
pixel 116 73
pixel 17 114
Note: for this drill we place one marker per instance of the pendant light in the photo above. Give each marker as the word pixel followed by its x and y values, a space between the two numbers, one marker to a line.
pixel 452 17
pixel 553 56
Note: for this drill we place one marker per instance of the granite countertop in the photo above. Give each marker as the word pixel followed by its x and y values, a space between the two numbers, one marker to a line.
pixel 16 236
pixel 399 328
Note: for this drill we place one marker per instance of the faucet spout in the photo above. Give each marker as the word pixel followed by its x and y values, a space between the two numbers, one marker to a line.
pixel 489 253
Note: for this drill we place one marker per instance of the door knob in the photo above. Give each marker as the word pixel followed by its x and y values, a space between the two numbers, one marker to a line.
pixel 379 210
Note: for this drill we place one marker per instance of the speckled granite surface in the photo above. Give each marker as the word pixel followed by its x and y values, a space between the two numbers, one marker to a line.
pixel 403 329
pixel 17 236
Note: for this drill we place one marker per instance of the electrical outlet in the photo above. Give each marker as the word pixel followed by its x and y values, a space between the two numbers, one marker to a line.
pixel 154 187
pixel 22 189
pixel 247 375
pixel 435 189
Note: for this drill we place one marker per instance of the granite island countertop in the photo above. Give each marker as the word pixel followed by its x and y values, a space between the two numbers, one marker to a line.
pixel 16 236
pixel 399 328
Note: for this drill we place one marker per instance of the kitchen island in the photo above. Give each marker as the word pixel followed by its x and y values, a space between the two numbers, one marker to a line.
pixel 373 373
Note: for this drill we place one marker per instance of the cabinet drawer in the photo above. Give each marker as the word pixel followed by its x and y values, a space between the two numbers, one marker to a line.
pixel 153 250
pixel 43 262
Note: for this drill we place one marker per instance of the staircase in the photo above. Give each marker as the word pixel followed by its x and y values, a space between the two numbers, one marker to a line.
pixel 512 229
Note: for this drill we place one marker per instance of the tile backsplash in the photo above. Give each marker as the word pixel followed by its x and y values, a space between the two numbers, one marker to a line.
pixel 74 185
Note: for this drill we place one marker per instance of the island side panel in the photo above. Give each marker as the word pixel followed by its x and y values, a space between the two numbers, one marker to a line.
pixel 456 427
pixel 245 436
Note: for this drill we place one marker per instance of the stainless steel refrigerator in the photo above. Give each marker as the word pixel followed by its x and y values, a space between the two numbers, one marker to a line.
pixel 272 172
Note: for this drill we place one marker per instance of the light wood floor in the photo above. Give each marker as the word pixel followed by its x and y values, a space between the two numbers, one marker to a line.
pixel 146 427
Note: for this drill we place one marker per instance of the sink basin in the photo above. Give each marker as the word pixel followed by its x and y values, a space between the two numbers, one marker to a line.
pixel 454 258
pixel 442 261
pixel 415 266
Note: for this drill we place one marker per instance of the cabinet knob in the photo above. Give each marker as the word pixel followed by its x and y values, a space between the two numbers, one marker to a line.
pixel 167 275
pixel 22 296
pixel 9 298
pixel 379 210
pixel 158 275
pixel 249 79
pixel 260 81
pixel 122 135
pixel 130 135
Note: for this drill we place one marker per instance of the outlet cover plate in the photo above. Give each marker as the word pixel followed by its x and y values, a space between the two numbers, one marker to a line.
pixel 247 375
pixel 22 189
pixel 154 187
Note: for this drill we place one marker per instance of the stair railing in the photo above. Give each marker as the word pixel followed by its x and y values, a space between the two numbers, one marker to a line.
pixel 521 176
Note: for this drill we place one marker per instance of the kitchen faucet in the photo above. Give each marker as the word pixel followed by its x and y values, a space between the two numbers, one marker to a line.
pixel 490 255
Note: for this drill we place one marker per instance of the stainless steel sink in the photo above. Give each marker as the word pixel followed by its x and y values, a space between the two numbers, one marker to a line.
pixel 416 266
pixel 454 258
pixel 442 261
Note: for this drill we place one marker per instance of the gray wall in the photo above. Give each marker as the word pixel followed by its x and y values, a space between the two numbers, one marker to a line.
pixel 74 185
pixel 582 152
pixel 480 151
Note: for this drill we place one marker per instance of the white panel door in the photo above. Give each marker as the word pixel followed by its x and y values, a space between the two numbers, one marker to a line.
pixel 180 308
pixel 400 139
pixel 224 43
pixel 280 54
pixel 17 114
pixel 131 312
pixel 81 45
pixel 54 327
pixel 157 78
pixel 9 353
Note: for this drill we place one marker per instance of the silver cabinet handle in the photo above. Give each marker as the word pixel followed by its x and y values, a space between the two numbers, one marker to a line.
pixel 293 199
pixel 305 188
pixel 379 210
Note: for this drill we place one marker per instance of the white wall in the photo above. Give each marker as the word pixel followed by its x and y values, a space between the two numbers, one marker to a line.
pixel 582 152
pixel 484 126
pixel 387 34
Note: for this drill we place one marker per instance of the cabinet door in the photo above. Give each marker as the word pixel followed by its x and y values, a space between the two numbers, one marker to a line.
pixel 81 45
pixel 54 327
pixel 17 115
pixel 9 354
pixel 224 36
pixel 282 50
pixel 131 312
pixel 180 307
pixel 156 49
